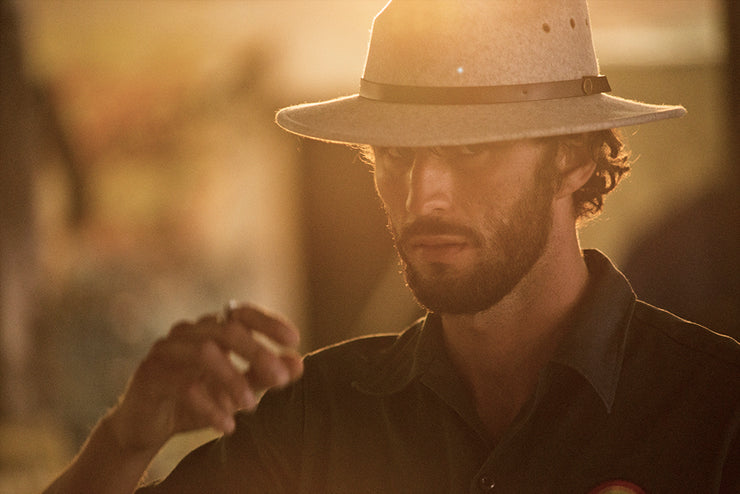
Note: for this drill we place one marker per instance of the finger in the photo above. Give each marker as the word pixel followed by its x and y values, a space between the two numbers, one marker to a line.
pixel 201 358
pixel 228 333
pixel 245 345
pixel 273 326
pixel 203 328
pixel 222 375
pixel 228 330
pixel 267 367
pixel 294 363
pixel 268 370
pixel 207 411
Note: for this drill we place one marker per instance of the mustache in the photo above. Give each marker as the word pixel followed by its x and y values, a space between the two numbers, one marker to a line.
pixel 436 226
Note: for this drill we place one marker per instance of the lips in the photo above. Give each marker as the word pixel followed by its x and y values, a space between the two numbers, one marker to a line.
pixel 437 248
pixel 437 241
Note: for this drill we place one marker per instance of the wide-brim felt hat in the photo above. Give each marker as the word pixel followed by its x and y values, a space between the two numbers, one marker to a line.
pixel 453 72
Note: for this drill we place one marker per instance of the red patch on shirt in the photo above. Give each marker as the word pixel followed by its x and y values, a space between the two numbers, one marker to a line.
pixel 617 487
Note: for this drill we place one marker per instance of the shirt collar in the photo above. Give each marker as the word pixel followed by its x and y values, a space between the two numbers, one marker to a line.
pixel 595 340
pixel 593 345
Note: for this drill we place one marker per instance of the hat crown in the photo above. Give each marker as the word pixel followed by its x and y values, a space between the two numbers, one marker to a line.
pixel 453 43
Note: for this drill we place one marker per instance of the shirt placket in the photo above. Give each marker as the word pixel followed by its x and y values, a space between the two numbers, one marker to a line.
pixel 489 478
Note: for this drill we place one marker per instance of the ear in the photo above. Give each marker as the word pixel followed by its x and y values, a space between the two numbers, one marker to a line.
pixel 575 166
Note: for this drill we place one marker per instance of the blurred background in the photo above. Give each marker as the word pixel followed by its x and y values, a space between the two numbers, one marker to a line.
pixel 143 182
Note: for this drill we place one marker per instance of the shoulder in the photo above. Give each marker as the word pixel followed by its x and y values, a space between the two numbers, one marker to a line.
pixel 678 376
pixel 363 348
pixel 676 361
pixel 687 339
pixel 329 379
pixel 356 357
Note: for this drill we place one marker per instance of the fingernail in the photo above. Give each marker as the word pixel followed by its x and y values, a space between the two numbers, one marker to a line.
pixel 229 424
pixel 282 376
pixel 247 402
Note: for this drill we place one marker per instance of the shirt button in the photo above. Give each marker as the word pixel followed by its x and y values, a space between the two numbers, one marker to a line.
pixel 486 484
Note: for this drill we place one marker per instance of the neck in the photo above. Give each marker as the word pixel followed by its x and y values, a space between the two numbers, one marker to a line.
pixel 499 352
pixel 532 312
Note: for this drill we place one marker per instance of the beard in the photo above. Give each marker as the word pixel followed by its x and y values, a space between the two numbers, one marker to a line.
pixel 510 246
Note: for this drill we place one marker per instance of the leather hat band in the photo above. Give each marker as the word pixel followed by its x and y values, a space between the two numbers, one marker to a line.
pixel 471 95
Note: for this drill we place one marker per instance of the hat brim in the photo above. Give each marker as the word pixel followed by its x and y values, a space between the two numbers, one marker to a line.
pixel 358 120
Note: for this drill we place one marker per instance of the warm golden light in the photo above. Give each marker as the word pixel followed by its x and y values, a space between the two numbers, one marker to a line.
pixel 165 187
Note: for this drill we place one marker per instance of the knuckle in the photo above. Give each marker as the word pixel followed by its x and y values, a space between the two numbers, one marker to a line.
pixel 158 352
pixel 192 393
pixel 179 328
pixel 208 351
pixel 293 364
pixel 249 401
pixel 232 332
pixel 158 346
pixel 250 313
pixel 248 307
pixel 207 319
pixel 240 389
pixel 271 371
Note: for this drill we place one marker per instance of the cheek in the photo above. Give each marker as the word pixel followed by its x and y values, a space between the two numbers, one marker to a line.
pixel 391 192
pixel 479 193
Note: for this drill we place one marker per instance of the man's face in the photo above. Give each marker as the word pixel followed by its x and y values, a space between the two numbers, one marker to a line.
pixel 468 222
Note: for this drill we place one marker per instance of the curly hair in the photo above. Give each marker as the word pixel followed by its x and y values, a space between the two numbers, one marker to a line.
pixel 613 163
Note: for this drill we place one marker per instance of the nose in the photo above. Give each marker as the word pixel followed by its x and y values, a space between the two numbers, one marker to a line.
pixel 430 185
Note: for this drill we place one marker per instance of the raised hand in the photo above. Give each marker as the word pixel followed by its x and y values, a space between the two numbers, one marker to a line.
pixel 190 379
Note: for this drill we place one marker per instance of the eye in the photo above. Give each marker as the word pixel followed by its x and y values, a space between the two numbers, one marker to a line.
pixel 395 153
pixel 472 149
pixel 394 158
pixel 462 151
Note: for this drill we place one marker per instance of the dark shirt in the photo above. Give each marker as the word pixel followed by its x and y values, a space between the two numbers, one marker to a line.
pixel 633 395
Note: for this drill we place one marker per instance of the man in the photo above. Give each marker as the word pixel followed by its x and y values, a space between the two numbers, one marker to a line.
pixel 535 370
